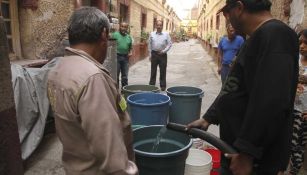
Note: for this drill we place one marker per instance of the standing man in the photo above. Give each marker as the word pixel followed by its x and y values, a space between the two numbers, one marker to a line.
pixel 159 44
pixel 227 50
pixel 254 108
pixel 90 115
pixel 124 46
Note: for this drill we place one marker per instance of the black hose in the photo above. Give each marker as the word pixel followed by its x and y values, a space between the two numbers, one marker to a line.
pixel 198 133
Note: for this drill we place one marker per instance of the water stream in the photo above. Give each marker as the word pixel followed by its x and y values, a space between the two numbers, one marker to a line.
pixel 158 139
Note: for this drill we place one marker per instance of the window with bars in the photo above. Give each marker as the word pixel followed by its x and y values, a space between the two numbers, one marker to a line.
pixel 5 12
pixel 143 20
pixel 9 13
pixel 123 11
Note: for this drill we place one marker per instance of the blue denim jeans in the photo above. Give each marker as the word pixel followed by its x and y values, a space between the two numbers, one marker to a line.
pixel 122 68
pixel 224 72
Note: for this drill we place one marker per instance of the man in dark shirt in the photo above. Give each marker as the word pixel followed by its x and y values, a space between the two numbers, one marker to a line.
pixel 255 104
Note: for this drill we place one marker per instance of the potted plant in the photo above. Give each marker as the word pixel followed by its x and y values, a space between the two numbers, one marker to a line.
pixel 144 36
pixel 143 43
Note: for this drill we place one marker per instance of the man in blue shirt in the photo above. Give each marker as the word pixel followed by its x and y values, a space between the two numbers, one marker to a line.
pixel 159 43
pixel 227 50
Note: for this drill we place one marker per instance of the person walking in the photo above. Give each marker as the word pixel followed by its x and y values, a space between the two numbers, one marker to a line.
pixel 124 48
pixel 159 43
pixel 90 114
pixel 227 50
pixel 299 136
pixel 254 108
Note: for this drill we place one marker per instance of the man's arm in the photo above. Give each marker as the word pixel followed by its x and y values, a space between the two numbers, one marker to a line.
pixel 169 44
pixel 130 46
pixel 219 60
pixel 102 126
pixel 270 89
pixel 149 44
pixel 219 57
pixel 211 116
pixel 241 41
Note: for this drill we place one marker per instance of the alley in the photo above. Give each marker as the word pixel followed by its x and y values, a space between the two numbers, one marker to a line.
pixel 188 64
pixel 33 32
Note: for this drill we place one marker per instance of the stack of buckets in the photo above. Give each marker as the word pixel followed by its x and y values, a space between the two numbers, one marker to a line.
pixel 146 106
pixel 216 160
pixel 182 105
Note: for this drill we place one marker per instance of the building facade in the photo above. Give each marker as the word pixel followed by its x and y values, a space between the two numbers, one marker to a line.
pixel 37 29
pixel 212 25
pixel 292 12
pixel 142 17
pixel 189 23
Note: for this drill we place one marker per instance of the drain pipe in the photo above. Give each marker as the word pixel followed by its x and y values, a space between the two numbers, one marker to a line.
pixel 198 133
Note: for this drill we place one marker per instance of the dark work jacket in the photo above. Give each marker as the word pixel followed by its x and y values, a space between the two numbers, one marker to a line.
pixel 255 104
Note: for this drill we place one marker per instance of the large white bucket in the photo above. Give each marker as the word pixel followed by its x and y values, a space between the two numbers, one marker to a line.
pixel 199 162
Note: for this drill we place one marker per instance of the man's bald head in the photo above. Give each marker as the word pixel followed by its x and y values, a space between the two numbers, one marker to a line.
pixel 159 25
pixel 123 29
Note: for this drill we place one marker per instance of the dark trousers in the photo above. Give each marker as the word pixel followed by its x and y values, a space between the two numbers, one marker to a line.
pixel 122 68
pixel 161 61
pixel 224 72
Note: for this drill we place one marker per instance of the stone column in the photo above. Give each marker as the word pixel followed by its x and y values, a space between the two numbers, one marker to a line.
pixel 10 154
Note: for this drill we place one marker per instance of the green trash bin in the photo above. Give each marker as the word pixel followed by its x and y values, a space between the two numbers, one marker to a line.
pixel 186 104
pixel 137 88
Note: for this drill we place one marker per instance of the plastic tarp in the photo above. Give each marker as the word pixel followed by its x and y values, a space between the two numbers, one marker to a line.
pixel 32 105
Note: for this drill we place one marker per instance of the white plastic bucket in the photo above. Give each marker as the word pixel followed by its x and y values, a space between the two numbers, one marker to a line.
pixel 199 162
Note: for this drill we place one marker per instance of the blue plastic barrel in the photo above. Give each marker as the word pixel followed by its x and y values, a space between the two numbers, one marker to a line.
pixel 186 104
pixel 138 88
pixel 148 108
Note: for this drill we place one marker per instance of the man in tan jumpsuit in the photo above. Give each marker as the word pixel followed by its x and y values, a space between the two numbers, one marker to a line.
pixel 90 114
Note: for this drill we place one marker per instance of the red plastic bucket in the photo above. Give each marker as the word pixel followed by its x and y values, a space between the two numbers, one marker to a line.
pixel 216 160
pixel 213 172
